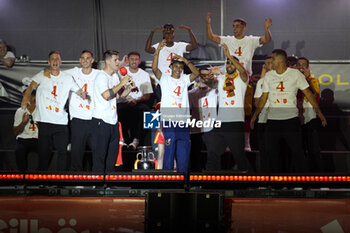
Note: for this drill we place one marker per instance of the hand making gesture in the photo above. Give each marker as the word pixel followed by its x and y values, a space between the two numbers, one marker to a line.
pixel 268 23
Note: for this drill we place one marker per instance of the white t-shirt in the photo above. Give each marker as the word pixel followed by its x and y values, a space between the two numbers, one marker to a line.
pixel 231 109
pixel 30 130
pixel 203 106
pixel 78 107
pixel 105 110
pixel 174 103
pixel 167 53
pixel 282 89
pixel 142 81
pixel 9 54
pixel 309 112
pixel 243 49
pixel 51 97
pixel 258 93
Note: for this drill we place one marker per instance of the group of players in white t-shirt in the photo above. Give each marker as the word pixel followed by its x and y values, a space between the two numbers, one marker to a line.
pixel 89 103
pixel 95 92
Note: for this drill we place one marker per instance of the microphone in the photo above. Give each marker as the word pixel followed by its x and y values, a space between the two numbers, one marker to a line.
pixel 123 72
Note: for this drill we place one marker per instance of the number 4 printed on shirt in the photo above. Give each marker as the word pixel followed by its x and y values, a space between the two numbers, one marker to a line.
pixel 280 86
pixel 54 91
pixel 177 91
pixel 170 57
pixel 205 104
pixel 239 51
pixel 85 88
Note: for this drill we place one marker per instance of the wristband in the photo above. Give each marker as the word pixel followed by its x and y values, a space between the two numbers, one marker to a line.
pixel 111 92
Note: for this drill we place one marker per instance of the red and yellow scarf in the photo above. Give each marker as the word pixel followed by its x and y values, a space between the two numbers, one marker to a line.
pixel 229 85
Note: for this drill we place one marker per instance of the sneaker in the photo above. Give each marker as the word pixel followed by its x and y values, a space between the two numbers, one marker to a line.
pixel 134 144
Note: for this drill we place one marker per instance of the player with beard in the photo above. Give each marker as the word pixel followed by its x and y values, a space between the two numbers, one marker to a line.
pixel 231 91
pixel 131 108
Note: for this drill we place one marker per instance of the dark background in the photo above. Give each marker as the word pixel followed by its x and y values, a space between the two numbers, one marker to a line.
pixel 317 29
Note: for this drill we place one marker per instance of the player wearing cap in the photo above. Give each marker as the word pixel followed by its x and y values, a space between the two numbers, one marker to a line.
pixel 175 108
pixel 171 48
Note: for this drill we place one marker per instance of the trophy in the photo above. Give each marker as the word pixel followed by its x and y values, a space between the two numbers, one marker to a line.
pixel 145 159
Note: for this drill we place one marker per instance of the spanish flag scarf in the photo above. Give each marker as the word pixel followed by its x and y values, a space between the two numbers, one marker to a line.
pixel 229 85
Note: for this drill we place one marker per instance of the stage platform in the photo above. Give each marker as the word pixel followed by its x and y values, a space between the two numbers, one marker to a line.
pixel 151 201
pixel 88 209
pixel 126 214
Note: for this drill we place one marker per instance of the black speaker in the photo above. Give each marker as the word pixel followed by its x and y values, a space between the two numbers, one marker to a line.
pixel 183 212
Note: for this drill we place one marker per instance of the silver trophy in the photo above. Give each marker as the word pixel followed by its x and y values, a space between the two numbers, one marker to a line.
pixel 145 159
